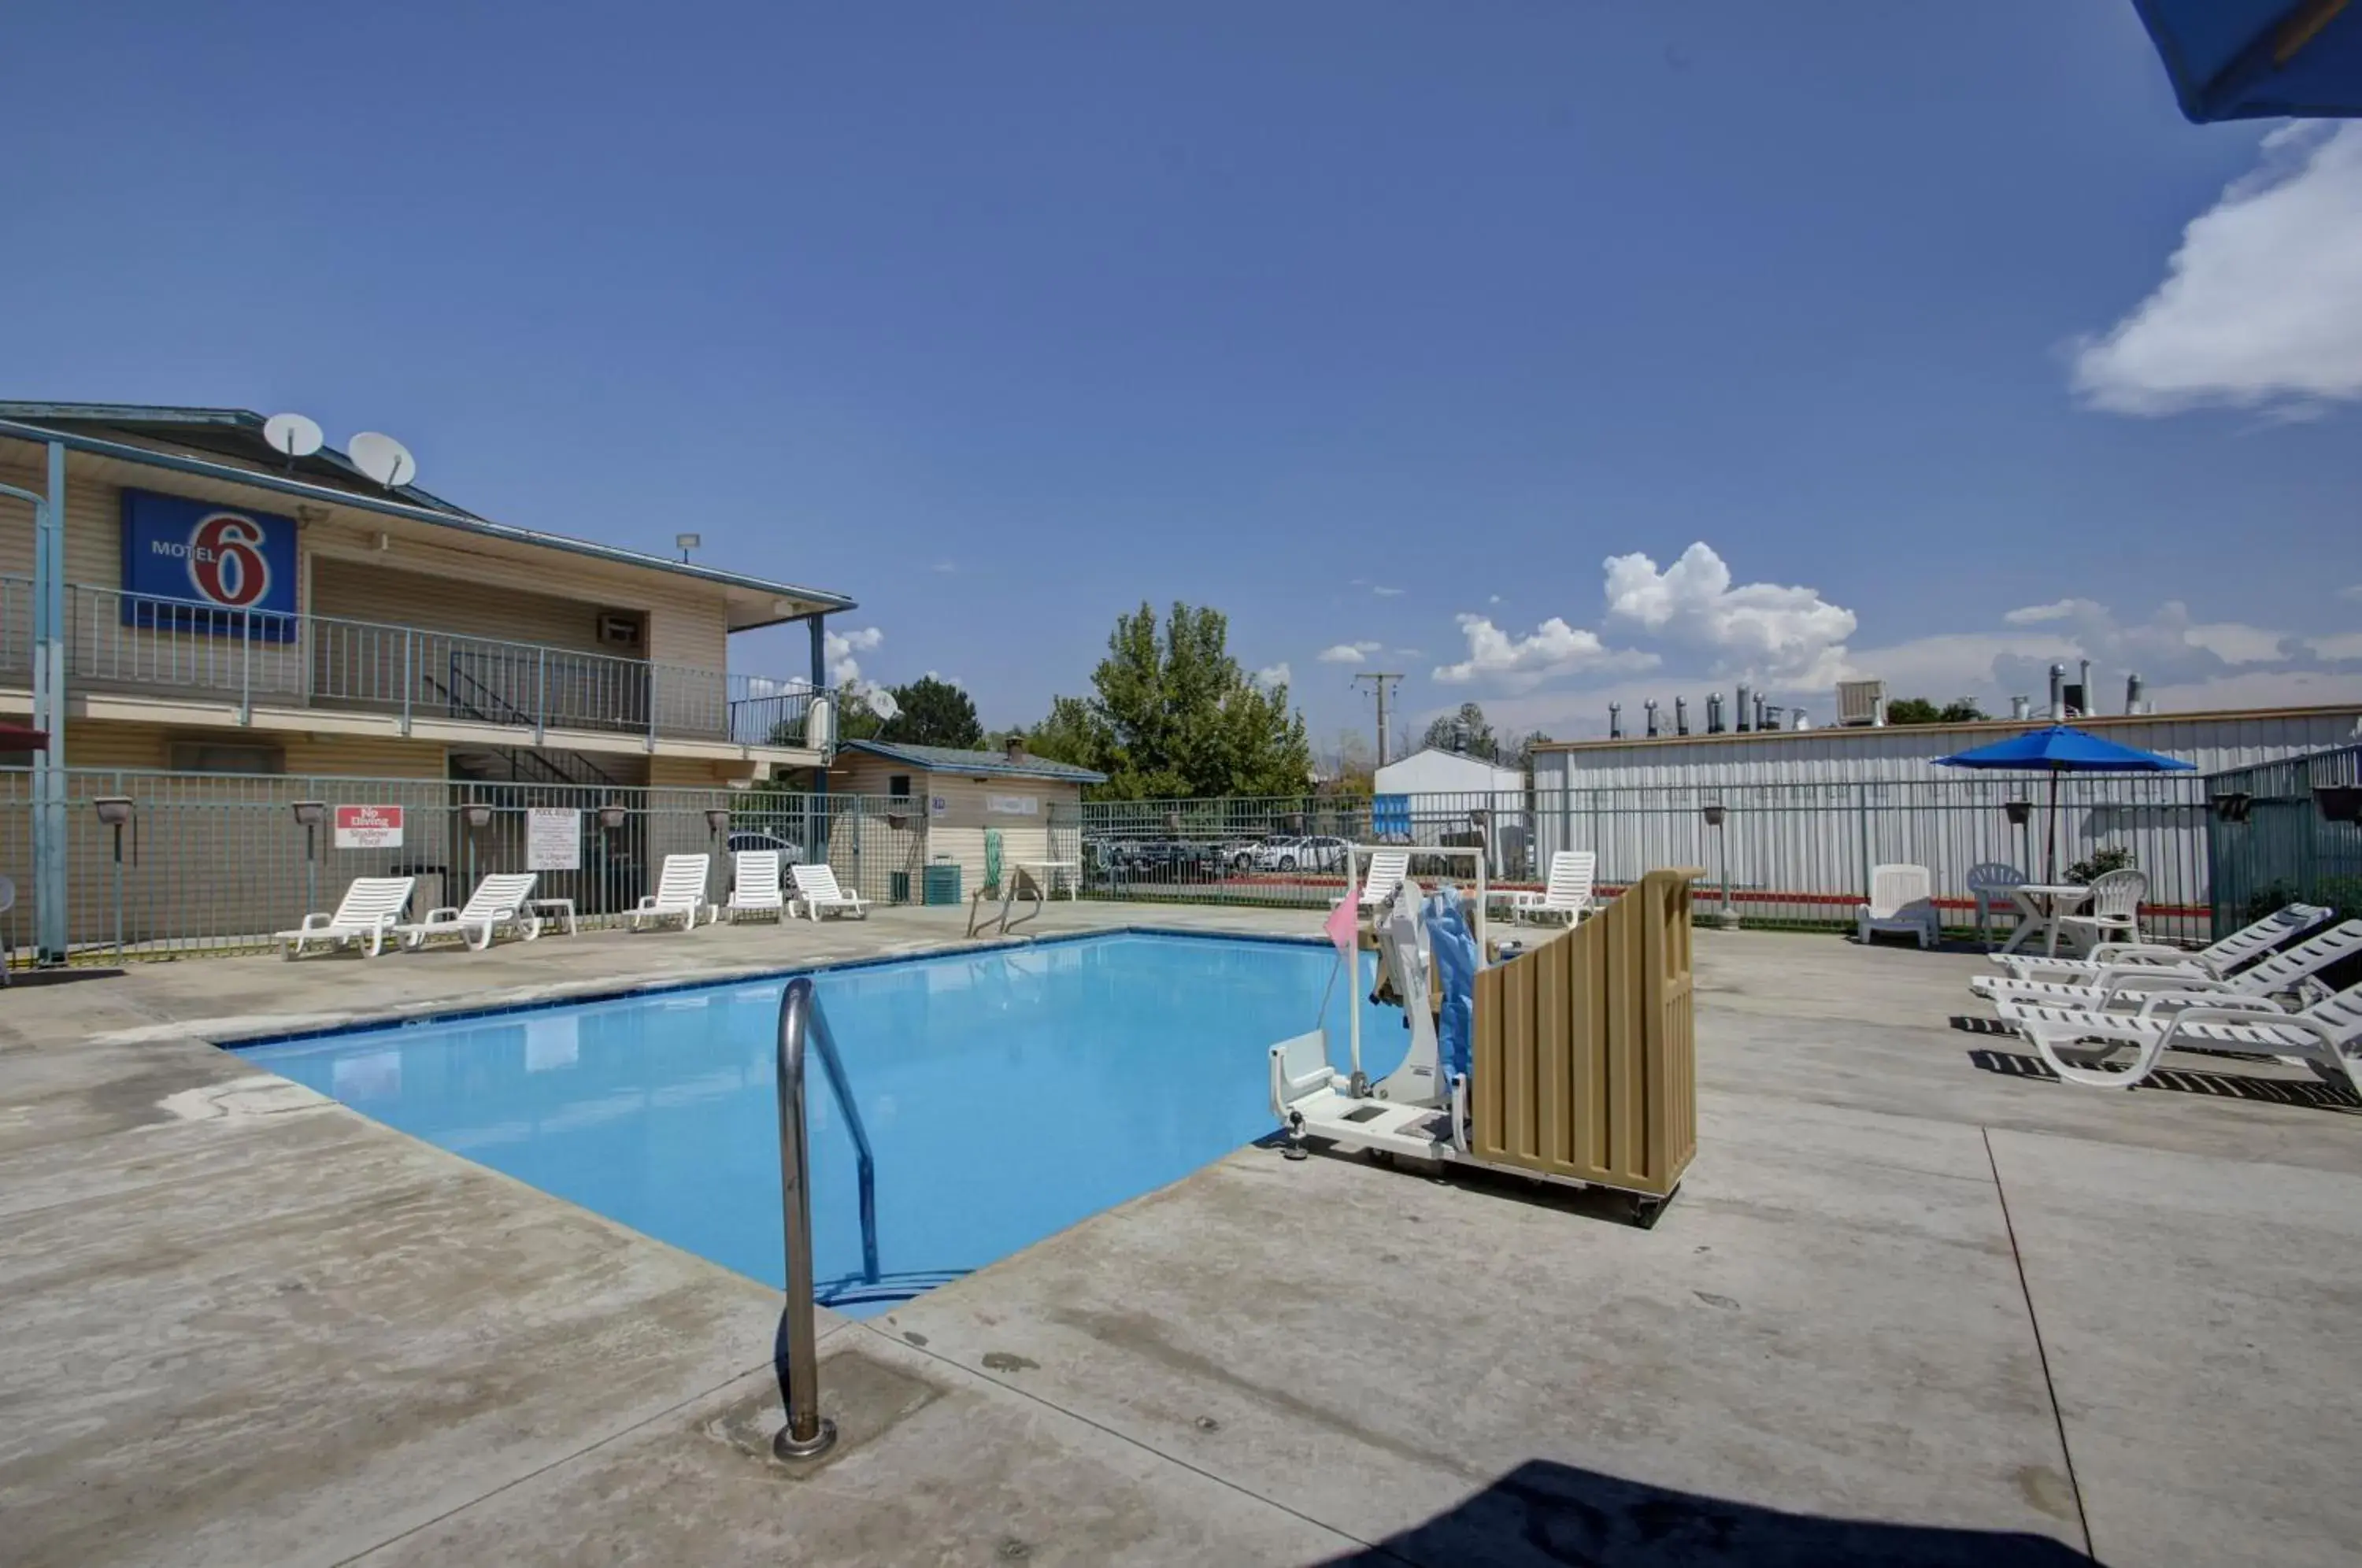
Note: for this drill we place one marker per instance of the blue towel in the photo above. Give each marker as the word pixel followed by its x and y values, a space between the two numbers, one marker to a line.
pixel 1455 972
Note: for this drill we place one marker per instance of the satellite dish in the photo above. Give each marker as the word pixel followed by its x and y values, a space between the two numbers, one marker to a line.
pixel 291 435
pixel 881 702
pixel 382 458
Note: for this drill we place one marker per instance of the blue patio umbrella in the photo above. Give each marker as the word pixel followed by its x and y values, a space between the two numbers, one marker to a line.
pixel 2063 748
pixel 2248 60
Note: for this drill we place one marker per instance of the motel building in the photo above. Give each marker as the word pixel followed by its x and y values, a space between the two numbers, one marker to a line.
pixel 217 633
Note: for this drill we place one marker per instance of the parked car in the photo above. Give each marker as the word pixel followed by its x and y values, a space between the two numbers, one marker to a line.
pixel 1267 854
pixel 1322 851
pixel 790 852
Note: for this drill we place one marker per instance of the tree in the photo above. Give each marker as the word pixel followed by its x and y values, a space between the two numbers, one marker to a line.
pixel 1465 731
pixel 1920 711
pixel 1518 750
pixel 1175 715
pixel 933 712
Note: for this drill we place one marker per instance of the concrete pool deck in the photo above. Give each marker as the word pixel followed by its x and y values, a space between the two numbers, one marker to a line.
pixel 1910 1306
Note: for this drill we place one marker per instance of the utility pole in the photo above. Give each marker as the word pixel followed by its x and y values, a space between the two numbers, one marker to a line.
pixel 1378 679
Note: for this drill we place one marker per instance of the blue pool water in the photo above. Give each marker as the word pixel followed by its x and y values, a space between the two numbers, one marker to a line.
pixel 1007 1095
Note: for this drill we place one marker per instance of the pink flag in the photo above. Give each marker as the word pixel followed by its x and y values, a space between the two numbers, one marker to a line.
pixel 1345 921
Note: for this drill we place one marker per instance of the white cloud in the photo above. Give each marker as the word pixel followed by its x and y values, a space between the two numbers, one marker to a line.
pixel 947 680
pixel 2236 642
pixel 2058 610
pixel 2261 304
pixel 2336 649
pixel 947 567
pixel 840 647
pixel 1495 600
pixel 1786 635
pixel 1348 653
pixel 1388 592
pixel 2352 591
pixel 1519 663
pixel 1272 675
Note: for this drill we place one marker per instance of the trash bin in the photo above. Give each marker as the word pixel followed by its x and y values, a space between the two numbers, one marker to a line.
pixel 942 885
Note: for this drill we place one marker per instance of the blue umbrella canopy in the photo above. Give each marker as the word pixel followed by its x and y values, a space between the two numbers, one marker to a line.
pixel 2248 59
pixel 2063 748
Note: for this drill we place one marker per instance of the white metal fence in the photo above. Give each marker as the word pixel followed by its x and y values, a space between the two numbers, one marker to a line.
pixel 1797 855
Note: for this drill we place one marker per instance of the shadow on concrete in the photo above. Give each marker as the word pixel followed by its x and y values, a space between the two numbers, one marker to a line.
pixel 2312 1093
pixel 1606 1203
pixel 1544 1513
pixel 65 977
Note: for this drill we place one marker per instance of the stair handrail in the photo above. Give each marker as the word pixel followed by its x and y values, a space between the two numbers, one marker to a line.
pixel 795 1349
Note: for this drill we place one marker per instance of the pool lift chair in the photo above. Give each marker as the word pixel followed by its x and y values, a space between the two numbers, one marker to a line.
pixel 1578 1065
pixel 1416 1110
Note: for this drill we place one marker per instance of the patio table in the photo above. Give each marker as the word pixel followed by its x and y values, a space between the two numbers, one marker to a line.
pixel 2044 904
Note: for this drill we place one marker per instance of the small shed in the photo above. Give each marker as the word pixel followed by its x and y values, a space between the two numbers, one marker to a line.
pixel 1433 771
pixel 1032 802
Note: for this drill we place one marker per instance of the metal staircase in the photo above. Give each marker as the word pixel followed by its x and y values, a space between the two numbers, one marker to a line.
pixel 513 764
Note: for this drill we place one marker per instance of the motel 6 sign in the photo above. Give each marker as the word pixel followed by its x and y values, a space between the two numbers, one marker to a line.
pixel 196 566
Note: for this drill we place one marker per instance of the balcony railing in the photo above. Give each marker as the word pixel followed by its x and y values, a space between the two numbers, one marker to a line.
pixel 133 643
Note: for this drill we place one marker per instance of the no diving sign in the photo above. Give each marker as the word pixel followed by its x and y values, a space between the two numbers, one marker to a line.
pixel 369 827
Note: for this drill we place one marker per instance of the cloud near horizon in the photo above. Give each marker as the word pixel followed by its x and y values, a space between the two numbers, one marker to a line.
pixel 841 649
pixel 2261 305
pixel 1348 653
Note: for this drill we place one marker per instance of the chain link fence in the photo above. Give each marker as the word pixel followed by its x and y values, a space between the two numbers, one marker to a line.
pixel 216 863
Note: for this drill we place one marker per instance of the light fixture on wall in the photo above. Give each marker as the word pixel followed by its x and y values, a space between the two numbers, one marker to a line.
pixel 611 817
pixel 477 815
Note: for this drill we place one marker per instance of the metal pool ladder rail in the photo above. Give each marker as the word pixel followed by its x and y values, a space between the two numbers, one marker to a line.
pixel 795 1351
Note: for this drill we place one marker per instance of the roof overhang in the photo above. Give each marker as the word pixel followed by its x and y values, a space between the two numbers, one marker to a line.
pixel 145 435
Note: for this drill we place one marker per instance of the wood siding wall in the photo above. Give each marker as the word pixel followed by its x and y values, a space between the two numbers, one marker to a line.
pixel 687 620
pixel 958 833
pixel 1585 1059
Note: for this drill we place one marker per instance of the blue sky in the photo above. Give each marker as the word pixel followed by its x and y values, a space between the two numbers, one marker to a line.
pixel 1434 338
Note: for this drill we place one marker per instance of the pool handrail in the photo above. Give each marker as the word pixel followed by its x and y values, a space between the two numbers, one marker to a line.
pixel 795 1349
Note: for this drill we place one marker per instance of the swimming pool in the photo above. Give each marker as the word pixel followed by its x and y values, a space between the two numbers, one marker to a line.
pixel 1007 1094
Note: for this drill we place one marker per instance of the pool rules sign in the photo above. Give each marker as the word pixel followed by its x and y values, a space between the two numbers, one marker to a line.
pixel 369 827
pixel 553 839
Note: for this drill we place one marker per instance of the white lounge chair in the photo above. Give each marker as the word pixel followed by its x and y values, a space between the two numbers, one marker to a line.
pixel 754 885
pixel 679 895
pixel 1902 898
pixel 1567 893
pixel 2243 945
pixel 2113 912
pixel 2322 1037
pixel 498 900
pixel 816 889
pixel 1387 869
pixel 366 915
pixel 2276 976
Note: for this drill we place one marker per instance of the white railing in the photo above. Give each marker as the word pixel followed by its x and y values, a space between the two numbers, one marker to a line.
pixel 129 642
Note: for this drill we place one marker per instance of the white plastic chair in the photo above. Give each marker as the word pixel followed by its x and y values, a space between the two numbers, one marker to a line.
pixel 2114 908
pixel 754 885
pixel 366 915
pixel 1990 883
pixel 2322 1037
pixel 498 900
pixel 2284 973
pixel 816 889
pixel 1568 891
pixel 679 895
pixel 2214 961
pixel 1387 869
pixel 1902 898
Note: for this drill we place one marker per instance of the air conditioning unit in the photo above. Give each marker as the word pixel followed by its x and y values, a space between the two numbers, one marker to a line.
pixel 1861 702
pixel 620 628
